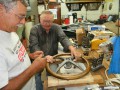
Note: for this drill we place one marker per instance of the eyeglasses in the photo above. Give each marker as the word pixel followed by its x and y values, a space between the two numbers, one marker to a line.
pixel 20 17
pixel 46 22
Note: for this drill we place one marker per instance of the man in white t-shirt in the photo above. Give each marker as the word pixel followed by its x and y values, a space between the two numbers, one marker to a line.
pixel 16 70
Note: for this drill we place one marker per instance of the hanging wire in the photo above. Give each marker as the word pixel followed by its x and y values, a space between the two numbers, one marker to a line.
pixel 103 5
pixel 86 15
pixel 118 15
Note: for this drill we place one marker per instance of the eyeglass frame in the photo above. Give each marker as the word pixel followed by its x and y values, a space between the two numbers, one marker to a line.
pixel 48 22
pixel 21 17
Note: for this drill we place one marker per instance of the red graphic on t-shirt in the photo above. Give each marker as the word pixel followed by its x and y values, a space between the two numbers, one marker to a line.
pixel 21 53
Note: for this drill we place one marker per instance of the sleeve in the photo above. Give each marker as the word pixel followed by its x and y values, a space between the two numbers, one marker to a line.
pixel 3 72
pixel 64 40
pixel 113 39
pixel 33 40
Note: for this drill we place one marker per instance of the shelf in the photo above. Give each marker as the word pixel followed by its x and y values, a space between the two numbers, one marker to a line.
pixel 39 2
pixel 83 1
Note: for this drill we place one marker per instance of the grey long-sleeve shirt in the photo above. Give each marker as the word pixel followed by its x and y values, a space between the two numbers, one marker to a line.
pixel 47 42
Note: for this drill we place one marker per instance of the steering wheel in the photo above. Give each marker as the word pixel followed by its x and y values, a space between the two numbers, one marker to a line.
pixel 62 60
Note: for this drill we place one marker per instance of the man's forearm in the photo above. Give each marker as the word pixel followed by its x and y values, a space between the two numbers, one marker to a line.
pixel 18 82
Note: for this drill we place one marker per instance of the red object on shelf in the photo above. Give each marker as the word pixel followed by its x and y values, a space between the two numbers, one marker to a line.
pixel 103 16
pixel 79 19
pixel 66 20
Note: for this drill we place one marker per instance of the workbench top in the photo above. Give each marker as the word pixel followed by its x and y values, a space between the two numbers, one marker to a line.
pixel 96 77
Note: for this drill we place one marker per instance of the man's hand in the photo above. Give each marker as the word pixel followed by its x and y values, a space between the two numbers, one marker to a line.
pixel 75 53
pixel 36 54
pixel 49 58
pixel 39 64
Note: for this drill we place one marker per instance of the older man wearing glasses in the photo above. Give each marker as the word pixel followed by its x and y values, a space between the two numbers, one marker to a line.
pixel 45 37
pixel 16 70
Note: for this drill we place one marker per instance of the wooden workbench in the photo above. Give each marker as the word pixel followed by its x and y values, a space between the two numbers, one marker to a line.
pixel 97 77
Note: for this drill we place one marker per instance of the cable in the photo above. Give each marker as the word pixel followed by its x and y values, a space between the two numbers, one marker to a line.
pixel 110 81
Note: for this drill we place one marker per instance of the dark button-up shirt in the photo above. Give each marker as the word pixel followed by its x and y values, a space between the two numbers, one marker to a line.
pixel 48 42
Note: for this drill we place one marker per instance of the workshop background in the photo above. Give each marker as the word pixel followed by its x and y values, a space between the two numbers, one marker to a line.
pixel 76 19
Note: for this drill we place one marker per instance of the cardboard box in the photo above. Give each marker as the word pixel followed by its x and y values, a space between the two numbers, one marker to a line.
pixel 80 33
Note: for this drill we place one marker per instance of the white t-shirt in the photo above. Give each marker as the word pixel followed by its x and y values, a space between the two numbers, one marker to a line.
pixel 13 59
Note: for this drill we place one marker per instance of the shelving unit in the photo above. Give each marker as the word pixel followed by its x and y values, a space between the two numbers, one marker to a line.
pixel 76 5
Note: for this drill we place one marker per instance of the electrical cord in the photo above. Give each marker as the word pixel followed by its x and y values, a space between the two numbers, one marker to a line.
pixel 110 81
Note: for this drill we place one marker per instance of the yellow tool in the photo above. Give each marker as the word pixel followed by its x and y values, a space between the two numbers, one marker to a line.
pixel 95 43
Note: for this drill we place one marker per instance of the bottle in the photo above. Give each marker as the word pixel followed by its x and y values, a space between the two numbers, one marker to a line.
pixel 82 17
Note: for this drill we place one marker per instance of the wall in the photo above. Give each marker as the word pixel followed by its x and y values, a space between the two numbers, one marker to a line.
pixel 93 15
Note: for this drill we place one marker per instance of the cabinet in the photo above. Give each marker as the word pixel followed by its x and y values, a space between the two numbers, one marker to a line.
pixel 76 5
pixel 56 6
pixel 40 2
pixel 46 4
